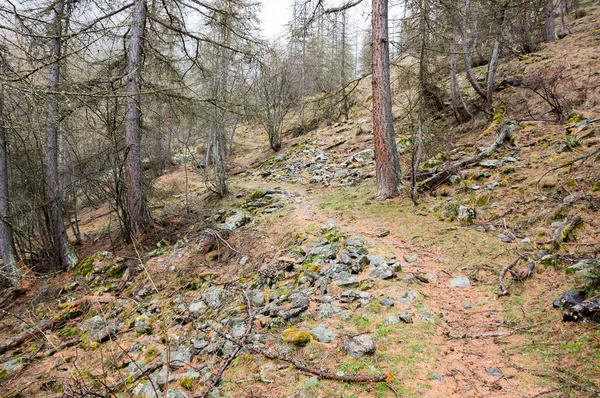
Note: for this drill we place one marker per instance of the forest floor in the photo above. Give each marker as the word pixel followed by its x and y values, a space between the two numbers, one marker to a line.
pixel 319 261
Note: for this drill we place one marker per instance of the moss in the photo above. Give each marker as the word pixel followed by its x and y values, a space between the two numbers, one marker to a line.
pixel 596 187
pixel 296 337
pixel 3 372
pixel 67 332
pixel 483 200
pixel 85 266
pixel 499 114
pixel 574 118
pixel 187 383
pixel 507 170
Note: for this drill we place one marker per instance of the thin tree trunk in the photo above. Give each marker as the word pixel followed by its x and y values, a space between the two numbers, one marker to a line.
pixel 457 100
pixel 467 54
pixel 7 245
pixel 138 216
pixel 343 69
pixel 491 76
pixel 549 26
pixel 63 255
pixel 386 154
pixel 563 26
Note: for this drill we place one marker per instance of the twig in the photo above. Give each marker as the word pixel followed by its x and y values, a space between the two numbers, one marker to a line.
pixel 503 290
pixel 476 336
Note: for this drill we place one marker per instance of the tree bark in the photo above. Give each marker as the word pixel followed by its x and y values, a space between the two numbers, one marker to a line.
pixel 467 54
pixel 7 244
pixel 549 26
pixel 138 216
pixel 386 154
pixel 62 253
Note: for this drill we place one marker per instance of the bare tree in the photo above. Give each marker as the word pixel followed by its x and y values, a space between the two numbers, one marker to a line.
pixel 138 215
pixel 62 253
pixel 386 154
pixel 549 26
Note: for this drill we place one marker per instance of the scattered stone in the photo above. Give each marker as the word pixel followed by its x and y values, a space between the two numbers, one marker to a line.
pixel 405 317
pixel 142 324
pixel 136 368
pixel 296 337
pixel 348 282
pixel 147 389
pixel 436 377
pixel 197 308
pixel 411 258
pixel 383 234
pixel 359 346
pixel 588 309
pixel 466 305
pixel 490 163
pixel 348 296
pixel 176 394
pixel 505 238
pixel 391 320
pixel 97 330
pixel 177 358
pixel 364 156
pixel 257 299
pixel 382 272
pixel 460 281
pixel 570 298
pixel 237 220
pixel 466 215
pixel 323 334
pixel 493 372
pixel 376 260
pixel 525 242
pixel 387 303
pixel 213 297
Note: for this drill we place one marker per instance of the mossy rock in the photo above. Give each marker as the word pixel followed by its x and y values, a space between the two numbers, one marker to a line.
pixel 297 337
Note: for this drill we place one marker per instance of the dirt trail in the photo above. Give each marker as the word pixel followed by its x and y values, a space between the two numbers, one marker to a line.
pixel 474 347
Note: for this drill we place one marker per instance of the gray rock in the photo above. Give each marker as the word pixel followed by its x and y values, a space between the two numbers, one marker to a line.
pixel 490 163
pixel 341 173
pixel 198 345
pixel 257 299
pixel 213 297
pixel 436 377
pixel 405 317
pixel 359 346
pixel 411 258
pixel 323 250
pixel 176 394
pixel 147 389
pixel 387 303
pixel 142 324
pixel 348 282
pixel 466 215
pixel 364 156
pixel 493 372
pixel 346 316
pixel 466 305
pixel 376 260
pixel 323 334
pixel 460 281
pixel 237 326
pixel 505 238
pixel 197 308
pixel 391 320
pixel 382 272
pixel 97 330
pixel 135 369
pixel 525 242
pixel 348 296
pixel 177 358
pixel 237 220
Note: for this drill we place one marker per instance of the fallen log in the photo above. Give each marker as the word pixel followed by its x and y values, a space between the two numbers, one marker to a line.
pixel 27 335
pixel 440 177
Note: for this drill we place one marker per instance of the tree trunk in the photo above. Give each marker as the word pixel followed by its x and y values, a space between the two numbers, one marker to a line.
pixel 164 142
pixel 549 22
pixel 467 54
pixel 7 246
pixel 457 100
pixel 386 154
pixel 491 76
pixel 63 255
pixel 138 216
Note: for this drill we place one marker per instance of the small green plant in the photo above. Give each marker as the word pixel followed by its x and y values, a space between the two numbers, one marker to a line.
pixel 187 383
pixel 311 388
pixel 571 142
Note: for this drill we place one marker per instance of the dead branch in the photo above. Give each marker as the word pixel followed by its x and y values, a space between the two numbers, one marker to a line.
pixel 476 336
pixel 568 163
pixel 503 289
pixel 437 179
pixel 324 374
pixel 565 229
pixel 27 335
pixel 235 352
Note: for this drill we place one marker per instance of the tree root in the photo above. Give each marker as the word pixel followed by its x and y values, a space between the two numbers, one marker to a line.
pixel 503 290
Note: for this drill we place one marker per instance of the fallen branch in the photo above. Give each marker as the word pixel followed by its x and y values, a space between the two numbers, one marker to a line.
pixel 564 230
pixel 565 164
pixel 476 336
pixel 27 335
pixel 503 289
pixel 324 374
pixel 235 352
pixel 436 180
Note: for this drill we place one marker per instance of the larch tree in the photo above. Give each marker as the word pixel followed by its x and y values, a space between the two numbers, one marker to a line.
pixel 386 155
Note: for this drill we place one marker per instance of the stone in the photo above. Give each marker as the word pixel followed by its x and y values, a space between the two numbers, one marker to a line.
pixel 97 330
pixel 198 346
pixel 411 258
pixel 376 260
pixel 382 272
pixel 466 215
pixel 504 238
pixel 391 320
pixel 460 281
pixel 296 337
pixel 490 163
pixel 405 317
pixel 359 346
pixel 494 372
pixel 348 296
pixel 466 305
pixel 323 250
pixel 348 282
pixel 147 389
pixel 583 265
pixel 387 303
pixel 213 297
pixel 323 334
pixel 257 299
pixel 177 358
pixel 237 326
pixel 142 324
pixel 237 220
pixel 197 308
pixel 570 298
pixel 364 156
pixel 525 242
pixel 176 394
pixel 136 368
pixel 588 309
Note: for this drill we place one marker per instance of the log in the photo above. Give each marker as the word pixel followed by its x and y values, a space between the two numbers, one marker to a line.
pixel 440 177
pixel 27 335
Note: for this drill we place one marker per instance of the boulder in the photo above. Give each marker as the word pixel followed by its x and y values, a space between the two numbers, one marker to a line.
pixel 359 346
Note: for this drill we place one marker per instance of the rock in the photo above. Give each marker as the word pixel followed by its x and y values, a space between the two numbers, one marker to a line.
pixel 466 305
pixel 493 372
pixel 348 282
pixel 97 330
pixel 142 324
pixel 387 303
pixel 525 242
pixel 213 297
pixel 436 377
pixel 359 346
pixel 237 220
pixel 588 309
pixel 348 296
pixel 237 326
pixel 466 215
pixel 377 260
pixel 460 281
pixel 198 346
pixel 411 258
pixel 296 337
pixel 147 389
pixel 299 300
pixel 324 250
pixel 323 334
pixel 505 238
pixel 177 358
pixel 176 394
pixel 257 299
pixel 364 156
pixel 405 317
pixel 583 265
pixel 490 163
pixel 136 368
pixel 197 308
pixel 391 320
pixel 382 272
pixel 341 173
pixel 383 234
pixel 570 298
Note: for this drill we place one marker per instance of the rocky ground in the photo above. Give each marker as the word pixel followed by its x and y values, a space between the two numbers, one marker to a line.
pixel 301 285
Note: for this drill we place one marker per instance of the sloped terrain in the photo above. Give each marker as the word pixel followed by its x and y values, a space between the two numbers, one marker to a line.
pixel 305 272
